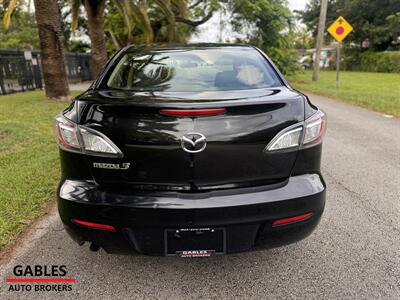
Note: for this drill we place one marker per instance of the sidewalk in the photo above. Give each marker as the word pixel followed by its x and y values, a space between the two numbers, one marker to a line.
pixel 80 86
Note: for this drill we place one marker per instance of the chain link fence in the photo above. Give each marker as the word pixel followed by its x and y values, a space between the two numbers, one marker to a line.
pixel 21 70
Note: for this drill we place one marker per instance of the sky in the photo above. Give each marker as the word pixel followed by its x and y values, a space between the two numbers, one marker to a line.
pixel 210 32
pixel 297 4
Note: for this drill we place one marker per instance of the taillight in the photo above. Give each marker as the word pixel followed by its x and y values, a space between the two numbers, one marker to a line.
pixel 314 128
pixel 290 138
pixel 76 138
pixel 66 133
pixel 300 135
pixel 94 141
pixel 192 112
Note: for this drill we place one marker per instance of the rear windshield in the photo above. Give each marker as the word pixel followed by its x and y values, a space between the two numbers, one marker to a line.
pixel 189 70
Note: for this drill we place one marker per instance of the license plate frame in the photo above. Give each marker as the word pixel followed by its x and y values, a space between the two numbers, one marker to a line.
pixel 195 242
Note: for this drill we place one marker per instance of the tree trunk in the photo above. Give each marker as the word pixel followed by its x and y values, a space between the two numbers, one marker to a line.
pixel 95 13
pixel 52 51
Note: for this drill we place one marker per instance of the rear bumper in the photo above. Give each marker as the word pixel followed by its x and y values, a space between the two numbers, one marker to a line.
pixel 141 218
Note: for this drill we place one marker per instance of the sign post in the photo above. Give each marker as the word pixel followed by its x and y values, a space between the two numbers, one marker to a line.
pixel 337 63
pixel 339 30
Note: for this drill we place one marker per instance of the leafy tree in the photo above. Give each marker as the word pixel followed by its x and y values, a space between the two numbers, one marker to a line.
pixel 263 23
pixel 71 43
pixel 22 33
pixel 19 28
pixel 267 24
pixel 303 39
pixel 148 21
pixel 377 21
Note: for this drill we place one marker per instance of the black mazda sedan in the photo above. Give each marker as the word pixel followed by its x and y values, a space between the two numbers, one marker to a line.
pixel 190 150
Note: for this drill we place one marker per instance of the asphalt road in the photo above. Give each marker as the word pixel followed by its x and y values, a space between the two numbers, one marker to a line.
pixel 354 253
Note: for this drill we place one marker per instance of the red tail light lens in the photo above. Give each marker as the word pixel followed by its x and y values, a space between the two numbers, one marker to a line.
pixel 314 128
pixel 291 220
pixel 95 225
pixel 66 133
pixel 192 112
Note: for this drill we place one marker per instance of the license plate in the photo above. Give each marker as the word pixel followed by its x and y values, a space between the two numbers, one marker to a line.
pixel 195 242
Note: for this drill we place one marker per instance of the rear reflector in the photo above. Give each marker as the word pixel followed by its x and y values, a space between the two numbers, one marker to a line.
pixel 193 112
pixel 286 221
pixel 94 225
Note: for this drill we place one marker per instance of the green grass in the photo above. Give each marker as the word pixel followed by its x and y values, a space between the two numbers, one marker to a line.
pixel 29 166
pixel 375 91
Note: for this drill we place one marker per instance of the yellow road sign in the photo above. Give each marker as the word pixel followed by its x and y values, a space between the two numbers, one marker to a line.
pixel 340 29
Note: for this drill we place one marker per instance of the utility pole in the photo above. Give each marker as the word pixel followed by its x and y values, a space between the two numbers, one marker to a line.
pixel 320 38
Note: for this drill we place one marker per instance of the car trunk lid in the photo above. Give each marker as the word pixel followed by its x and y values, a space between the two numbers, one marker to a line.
pixel 240 126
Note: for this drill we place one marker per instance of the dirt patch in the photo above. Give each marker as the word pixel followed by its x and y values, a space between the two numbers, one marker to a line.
pixel 3 135
pixel 298 81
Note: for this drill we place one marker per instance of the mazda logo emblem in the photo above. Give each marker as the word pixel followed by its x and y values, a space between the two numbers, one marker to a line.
pixel 193 142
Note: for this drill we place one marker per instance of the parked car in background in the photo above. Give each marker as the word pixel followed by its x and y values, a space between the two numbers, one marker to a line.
pixel 327 59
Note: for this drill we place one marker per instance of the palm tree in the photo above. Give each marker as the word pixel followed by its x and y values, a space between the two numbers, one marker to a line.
pixel 95 14
pixel 52 50
pixel 138 13
pixel 51 46
pixel 160 20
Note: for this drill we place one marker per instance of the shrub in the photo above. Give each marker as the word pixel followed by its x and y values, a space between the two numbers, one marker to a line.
pixel 386 62
pixel 284 59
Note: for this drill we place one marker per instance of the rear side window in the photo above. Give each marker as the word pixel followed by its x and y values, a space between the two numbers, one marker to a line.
pixel 193 70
